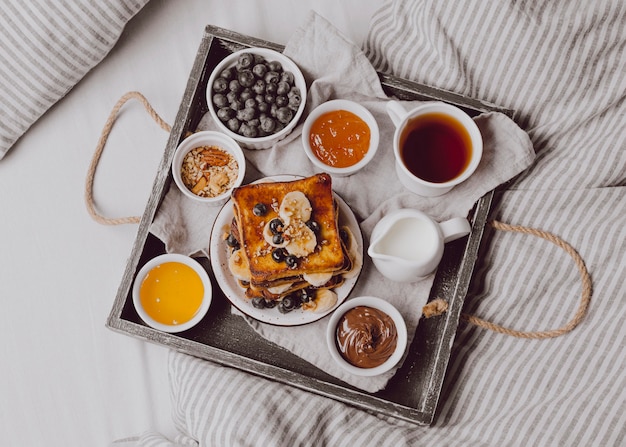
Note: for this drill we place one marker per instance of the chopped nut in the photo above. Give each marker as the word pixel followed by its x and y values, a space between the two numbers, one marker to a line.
pixel 199 186
pixel 209 171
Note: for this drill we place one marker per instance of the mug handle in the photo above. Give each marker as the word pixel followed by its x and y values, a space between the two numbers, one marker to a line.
pixel 455 228
pixel 396 112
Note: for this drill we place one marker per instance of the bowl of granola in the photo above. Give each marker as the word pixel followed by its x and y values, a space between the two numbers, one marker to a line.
pixel 207 166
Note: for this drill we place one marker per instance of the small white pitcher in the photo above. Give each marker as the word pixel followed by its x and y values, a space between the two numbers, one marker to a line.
pixel 407 244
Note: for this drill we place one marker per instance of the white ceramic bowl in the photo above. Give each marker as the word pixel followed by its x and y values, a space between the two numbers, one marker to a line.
pixel 358 110
pixel 381 305
pixel 208 138
pixel 268 141
pixel 162 259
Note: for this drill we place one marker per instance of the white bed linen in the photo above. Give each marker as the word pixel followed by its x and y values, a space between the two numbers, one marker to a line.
pixel 66 380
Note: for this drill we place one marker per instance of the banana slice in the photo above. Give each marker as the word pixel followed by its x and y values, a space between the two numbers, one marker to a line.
pixel 301 241
pixel 238 265
pixel 295 206
pixel 317 279
pixel 325 299
pixel 278 290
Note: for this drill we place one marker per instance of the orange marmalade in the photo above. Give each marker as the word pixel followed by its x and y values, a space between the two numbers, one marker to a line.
pixel 339 138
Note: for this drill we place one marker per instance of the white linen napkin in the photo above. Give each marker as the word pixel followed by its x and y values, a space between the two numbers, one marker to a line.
pixel 335 68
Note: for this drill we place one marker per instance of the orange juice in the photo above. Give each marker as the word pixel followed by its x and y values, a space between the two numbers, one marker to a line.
pixel 171 293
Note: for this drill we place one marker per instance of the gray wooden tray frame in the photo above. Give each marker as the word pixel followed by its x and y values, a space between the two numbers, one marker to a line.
pixel 413 393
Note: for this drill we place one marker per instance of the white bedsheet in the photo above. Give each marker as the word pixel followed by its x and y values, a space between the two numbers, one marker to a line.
pixel 66 380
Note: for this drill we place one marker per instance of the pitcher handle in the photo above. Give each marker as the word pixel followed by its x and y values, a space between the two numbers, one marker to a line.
pixel 455 228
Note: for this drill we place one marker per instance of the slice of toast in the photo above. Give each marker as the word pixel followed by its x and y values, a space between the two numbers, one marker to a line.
pixel 328 254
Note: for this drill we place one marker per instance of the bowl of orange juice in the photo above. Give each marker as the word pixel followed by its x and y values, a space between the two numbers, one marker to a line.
pixel 172 292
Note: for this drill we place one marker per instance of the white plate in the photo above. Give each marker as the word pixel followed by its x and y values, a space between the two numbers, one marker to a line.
pixel 219 253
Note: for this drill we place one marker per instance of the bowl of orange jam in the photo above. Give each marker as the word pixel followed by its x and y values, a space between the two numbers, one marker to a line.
pixel 172 292
pixel 340 137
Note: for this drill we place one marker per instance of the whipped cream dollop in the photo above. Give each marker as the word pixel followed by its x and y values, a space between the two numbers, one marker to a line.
pixel 366 337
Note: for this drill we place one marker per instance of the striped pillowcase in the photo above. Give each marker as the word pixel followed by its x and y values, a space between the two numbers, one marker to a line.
pixel 46 48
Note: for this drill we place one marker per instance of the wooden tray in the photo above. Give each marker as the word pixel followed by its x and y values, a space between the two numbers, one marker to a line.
pixel 413 393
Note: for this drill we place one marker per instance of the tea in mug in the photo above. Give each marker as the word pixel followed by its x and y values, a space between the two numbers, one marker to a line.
pixel 435 147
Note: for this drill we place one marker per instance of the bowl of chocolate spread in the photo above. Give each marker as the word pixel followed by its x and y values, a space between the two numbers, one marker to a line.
pixel 366 336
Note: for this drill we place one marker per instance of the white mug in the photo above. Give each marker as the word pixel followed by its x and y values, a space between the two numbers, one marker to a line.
pixel 407 244
pixel 436 146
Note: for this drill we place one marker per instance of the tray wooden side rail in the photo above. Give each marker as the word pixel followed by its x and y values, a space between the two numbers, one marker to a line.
pixel 413 392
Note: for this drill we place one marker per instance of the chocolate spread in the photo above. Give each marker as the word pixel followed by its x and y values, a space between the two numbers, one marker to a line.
pixel 366 337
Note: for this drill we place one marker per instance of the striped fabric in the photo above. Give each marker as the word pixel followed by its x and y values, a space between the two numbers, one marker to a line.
pixel 46 47
pixel 561 65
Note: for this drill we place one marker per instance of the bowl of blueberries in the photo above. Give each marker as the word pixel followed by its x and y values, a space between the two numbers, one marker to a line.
pixel 256 96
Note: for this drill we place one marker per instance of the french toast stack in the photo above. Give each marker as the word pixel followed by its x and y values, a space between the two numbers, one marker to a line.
pixel 287 248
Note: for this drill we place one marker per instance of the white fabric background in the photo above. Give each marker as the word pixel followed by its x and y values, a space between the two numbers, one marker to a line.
pixel 66 380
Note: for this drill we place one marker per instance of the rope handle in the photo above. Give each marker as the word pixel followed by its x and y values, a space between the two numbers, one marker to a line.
pixel 439 306
pixel 585 277
pixel 435 307
pixel 106 131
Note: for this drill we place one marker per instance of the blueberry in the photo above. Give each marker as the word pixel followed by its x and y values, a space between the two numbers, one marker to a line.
pixel 275 66
pixel 292 261
pixel 258 302
pixel 220 85
pixel 282 309
pixel 271 88
pixel 246 94
pixel 220 100
pixel 294 100
pixel 247 113
pixel 228 73
pixel 234 86
pixel 271 77
pixel 226 113
pixel 279 254
pixel 259 87
pixel 283 88
pixel 248 131
pixel 259 70
pixel 231 241
pixel 246 78
pixel 267 124
pixel 287 76
pixel 284 114
pixel 282 101
pixel 276 226
pixel 288 303
pixel 259 209
pixel 270 303
pixel 245 60
pixel 314 226
pixel 233 124
pixel 278 239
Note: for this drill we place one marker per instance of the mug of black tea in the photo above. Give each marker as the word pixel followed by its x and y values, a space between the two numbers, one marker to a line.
pixel 436 146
